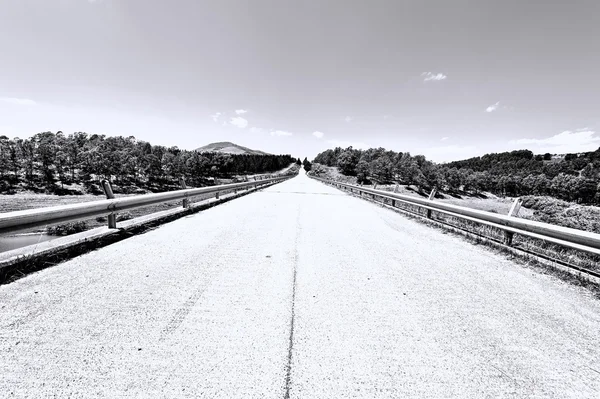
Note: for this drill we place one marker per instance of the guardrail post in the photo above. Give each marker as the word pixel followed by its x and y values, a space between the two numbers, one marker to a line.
pixel 431 197
pixel 186 201
pixel 514 210
pixel 112 218
pixel 516 206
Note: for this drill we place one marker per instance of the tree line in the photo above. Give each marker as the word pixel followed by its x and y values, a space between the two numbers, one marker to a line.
pixel 576 177
pixel 50 161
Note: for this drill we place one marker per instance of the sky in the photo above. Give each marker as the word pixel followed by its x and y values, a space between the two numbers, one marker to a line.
pixel 448 79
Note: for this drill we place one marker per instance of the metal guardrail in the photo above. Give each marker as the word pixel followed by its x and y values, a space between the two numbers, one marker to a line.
pixel 20 220
pixel 565 236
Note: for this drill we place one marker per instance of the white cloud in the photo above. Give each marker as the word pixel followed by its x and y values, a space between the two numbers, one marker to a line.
pixel 280 133
pixel 346 144
pixel 215 117
pixel 256 130
pixel 17 101
pixel 240 111
pixel 239 122
pixel 492 107
pixel 318 134
pixel 561 143
pixel 428 76
pixel 348 119
pixel 444 138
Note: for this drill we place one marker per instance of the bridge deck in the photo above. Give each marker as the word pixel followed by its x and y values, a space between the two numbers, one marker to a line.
pixel 302 291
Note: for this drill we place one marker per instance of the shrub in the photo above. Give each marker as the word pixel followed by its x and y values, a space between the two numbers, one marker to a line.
pixel 124 216
pixel 66 229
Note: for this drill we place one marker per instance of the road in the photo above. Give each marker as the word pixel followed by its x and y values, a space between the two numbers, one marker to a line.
pixel 298 291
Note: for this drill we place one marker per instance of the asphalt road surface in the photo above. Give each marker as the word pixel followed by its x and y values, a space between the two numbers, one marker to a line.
pixel 297 291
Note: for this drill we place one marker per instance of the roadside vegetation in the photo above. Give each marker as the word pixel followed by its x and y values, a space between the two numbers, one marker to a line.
pixel 56 163
pixel 572 177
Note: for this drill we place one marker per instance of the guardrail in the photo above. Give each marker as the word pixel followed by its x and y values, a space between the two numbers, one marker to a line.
pixel 572 238
pixel 20 220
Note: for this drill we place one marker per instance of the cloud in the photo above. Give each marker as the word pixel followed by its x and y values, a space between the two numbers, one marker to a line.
pixel 256 130
pixel 444 138
pixel 346 144
pixel 239 122
pixel 318 134
pixel 240 111
pixel 562 143
pixel 280 133
pixel 348 119
pixel 17 101
pixel 215 117
pixel 429 76
pixel 492 107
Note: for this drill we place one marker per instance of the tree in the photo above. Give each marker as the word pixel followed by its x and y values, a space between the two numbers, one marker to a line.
pixel 362 171
pixel 307 165
pixel 584 190
pixel 452 178
pixel 381 169
pixel 589 172
pixel 347 162
pixel 298 162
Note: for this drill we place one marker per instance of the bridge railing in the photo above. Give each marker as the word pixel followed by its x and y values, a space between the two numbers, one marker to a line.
pixel 21 220
pixel 572 238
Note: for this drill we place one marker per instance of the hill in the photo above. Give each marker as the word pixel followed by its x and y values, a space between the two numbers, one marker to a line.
pixel 227 147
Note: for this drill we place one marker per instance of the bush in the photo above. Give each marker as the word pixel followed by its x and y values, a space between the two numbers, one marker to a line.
pixel 124 216
pixel 66 229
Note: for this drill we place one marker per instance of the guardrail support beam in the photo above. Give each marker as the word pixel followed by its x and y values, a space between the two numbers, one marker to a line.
pixel 112 218
pixel 514 210
pixel 431 197
pixel 186 202
pixel 516 206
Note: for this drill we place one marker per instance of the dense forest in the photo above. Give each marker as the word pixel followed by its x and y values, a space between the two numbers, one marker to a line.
pixel 574 177
pixel 50 161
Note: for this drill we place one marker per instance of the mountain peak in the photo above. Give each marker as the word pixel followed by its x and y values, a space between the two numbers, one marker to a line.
pixel 227 147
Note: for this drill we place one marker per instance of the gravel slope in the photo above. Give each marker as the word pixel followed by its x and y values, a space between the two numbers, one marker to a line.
pixel 380 306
